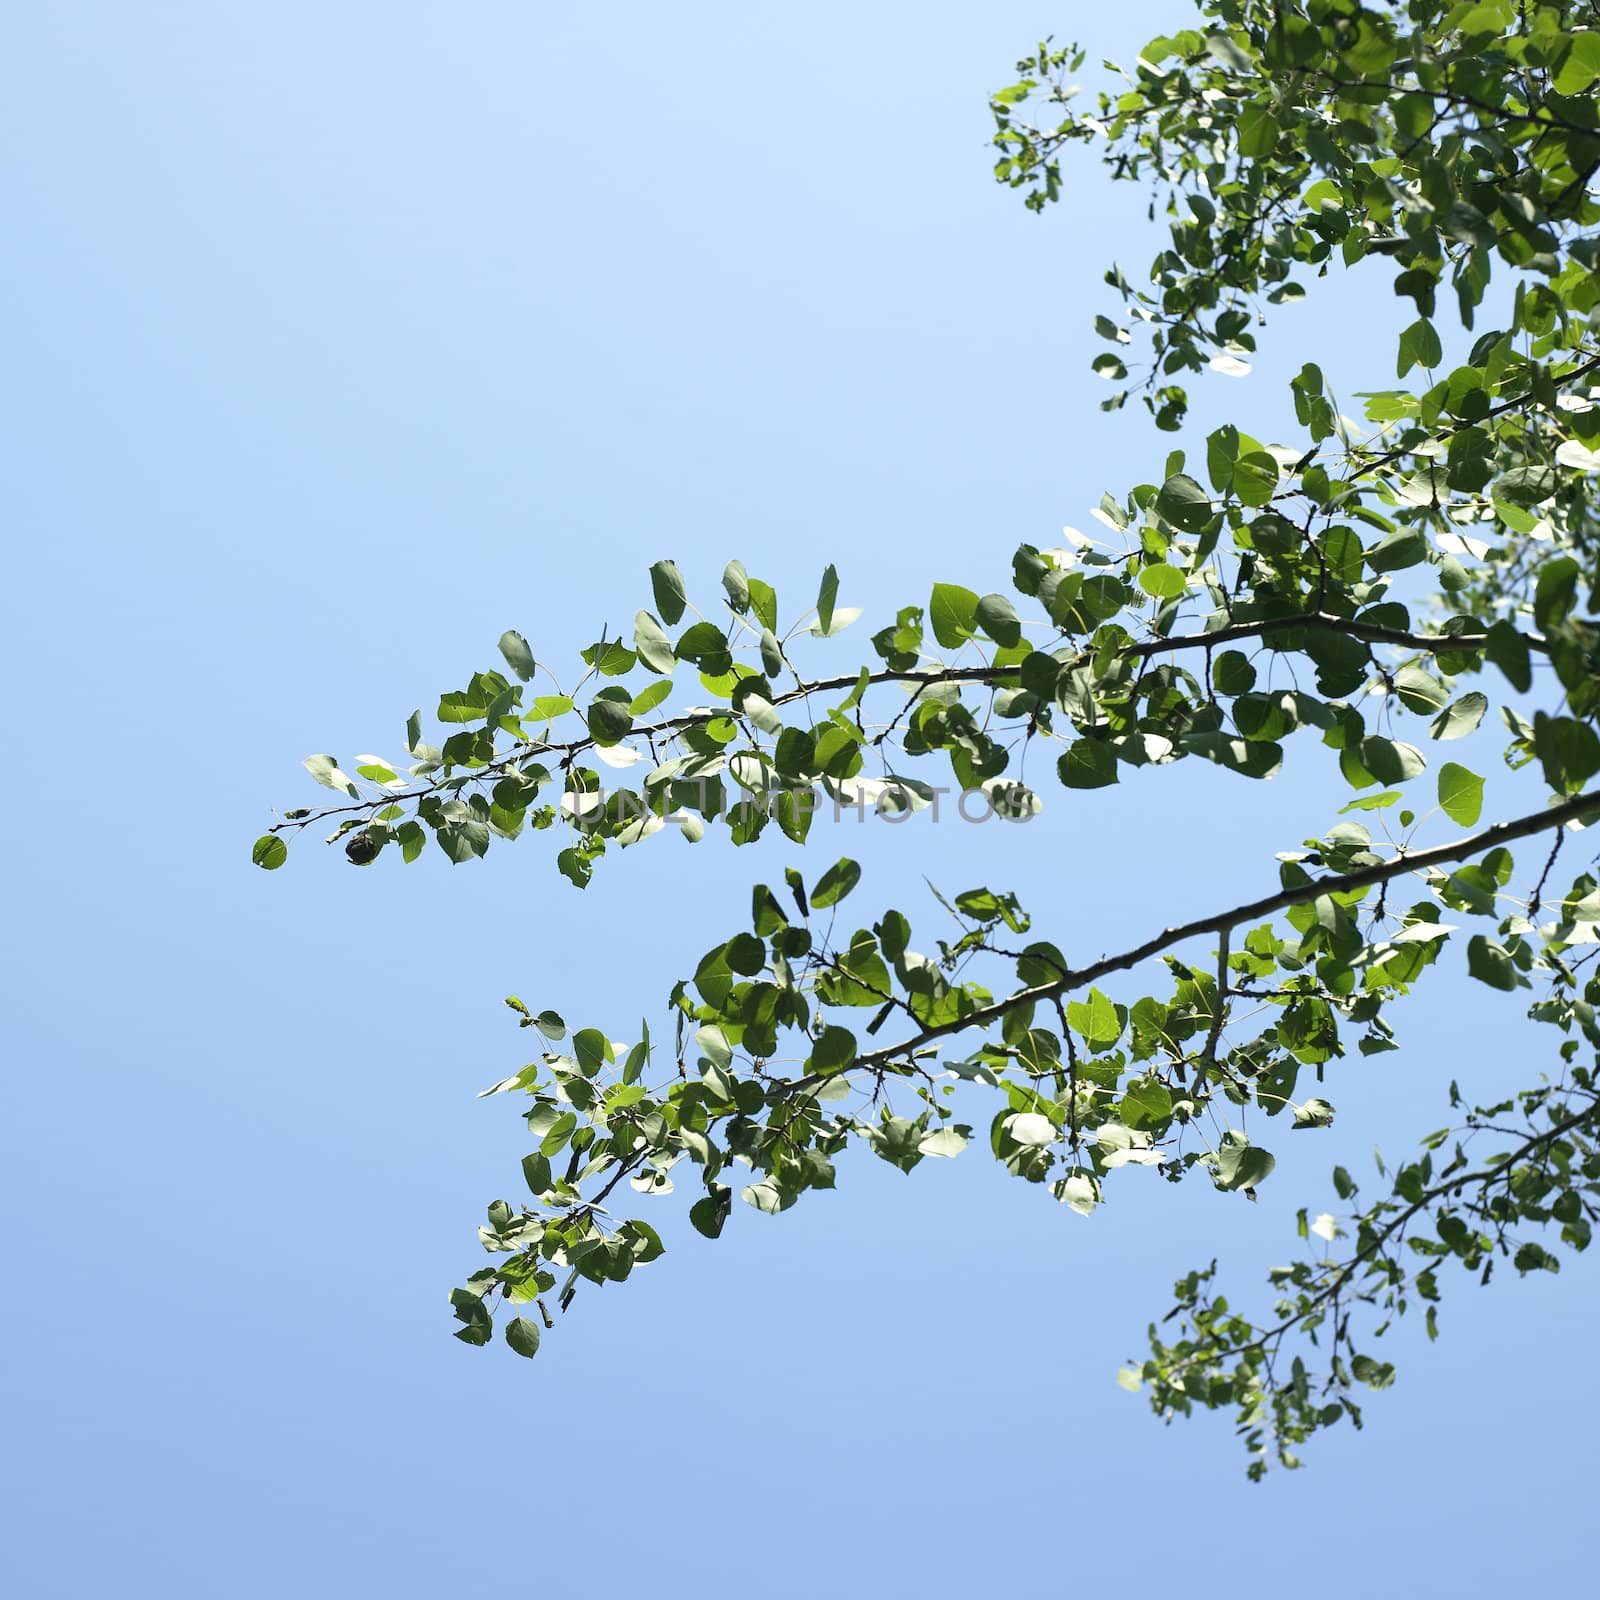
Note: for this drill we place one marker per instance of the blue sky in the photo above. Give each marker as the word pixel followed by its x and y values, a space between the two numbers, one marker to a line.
pixel 341 339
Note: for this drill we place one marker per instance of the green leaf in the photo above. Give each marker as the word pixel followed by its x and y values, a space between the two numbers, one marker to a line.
pixel 1419 690
pixel 1162 582
pixel 1030 1128
pixel 826 596
pixel 1492 964
pixel 745 954
pixel 666 582
pixel 998 618
pixel 611 657
pixel 1467 224
pixel 649 697
pixel 461 841
pixel 1460 718
pixel 1257 132
pixel 1405 547
pixel 642 1239
pixel 1372 802
pixel 1222 450
pixel 796 809
pixel 1232 673
pixel 1184 504
pixel 592 1050
pixel 710 1214
pixel 1097 1019
pixel 839 619
pixel 1146 1104
pixel 1419 346
pixel 470 1309
pixel 523 1336
pixel 609 721
pixel 562 1129
pixel 1314 1113
pixel 462 706
pixel 1221 48
pixel 653 646
pixel 1527 486
pixel 1391 761
pixel 833 1050
pixel 1508 650
pixel 1240 1164
pixel 1088 764
pixel 1375 1374
pixel 575 867
pixel 1555 591
pixel 1251 758
pixel 707 646
pixel 1568 751
pixel 764 602
pixel 1460 794
pixel 1255 478
pixel 953 613
pixel 518 656
pixel 326 771
pixel 771 653
pixel 269 852
pixel 836 882
pixel 1581 66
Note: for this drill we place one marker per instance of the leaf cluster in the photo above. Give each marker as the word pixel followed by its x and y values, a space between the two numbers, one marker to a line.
pixel 1363 592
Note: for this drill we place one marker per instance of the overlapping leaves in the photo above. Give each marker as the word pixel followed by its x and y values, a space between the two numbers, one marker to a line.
pixel 1386 586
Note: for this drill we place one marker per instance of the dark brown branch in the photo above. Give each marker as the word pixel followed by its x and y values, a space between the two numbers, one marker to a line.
pixel 1374 1246
pixel 1269 905
pixel 1456 97
pixel 1208 1056
pixel 1261 628
pixel 1389 457
pixel 1321 622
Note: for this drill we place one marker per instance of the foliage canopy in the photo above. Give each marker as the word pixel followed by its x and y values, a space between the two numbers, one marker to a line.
pixel 1381 587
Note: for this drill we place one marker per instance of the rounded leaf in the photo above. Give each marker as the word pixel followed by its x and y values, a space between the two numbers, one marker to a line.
pixel 1184 503
pixel 1031 1128
pixel 1460 794
pixel 269 852
pixel 523 1336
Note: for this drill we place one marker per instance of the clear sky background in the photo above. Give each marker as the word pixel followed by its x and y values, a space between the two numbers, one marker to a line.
pixel 340 338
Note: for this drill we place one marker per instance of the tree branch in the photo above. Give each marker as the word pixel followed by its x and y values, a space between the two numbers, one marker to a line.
pixel 1260 628
pixel 1389 457
pixel 1374 1246
pixel 1456 97
pixel 1269 905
